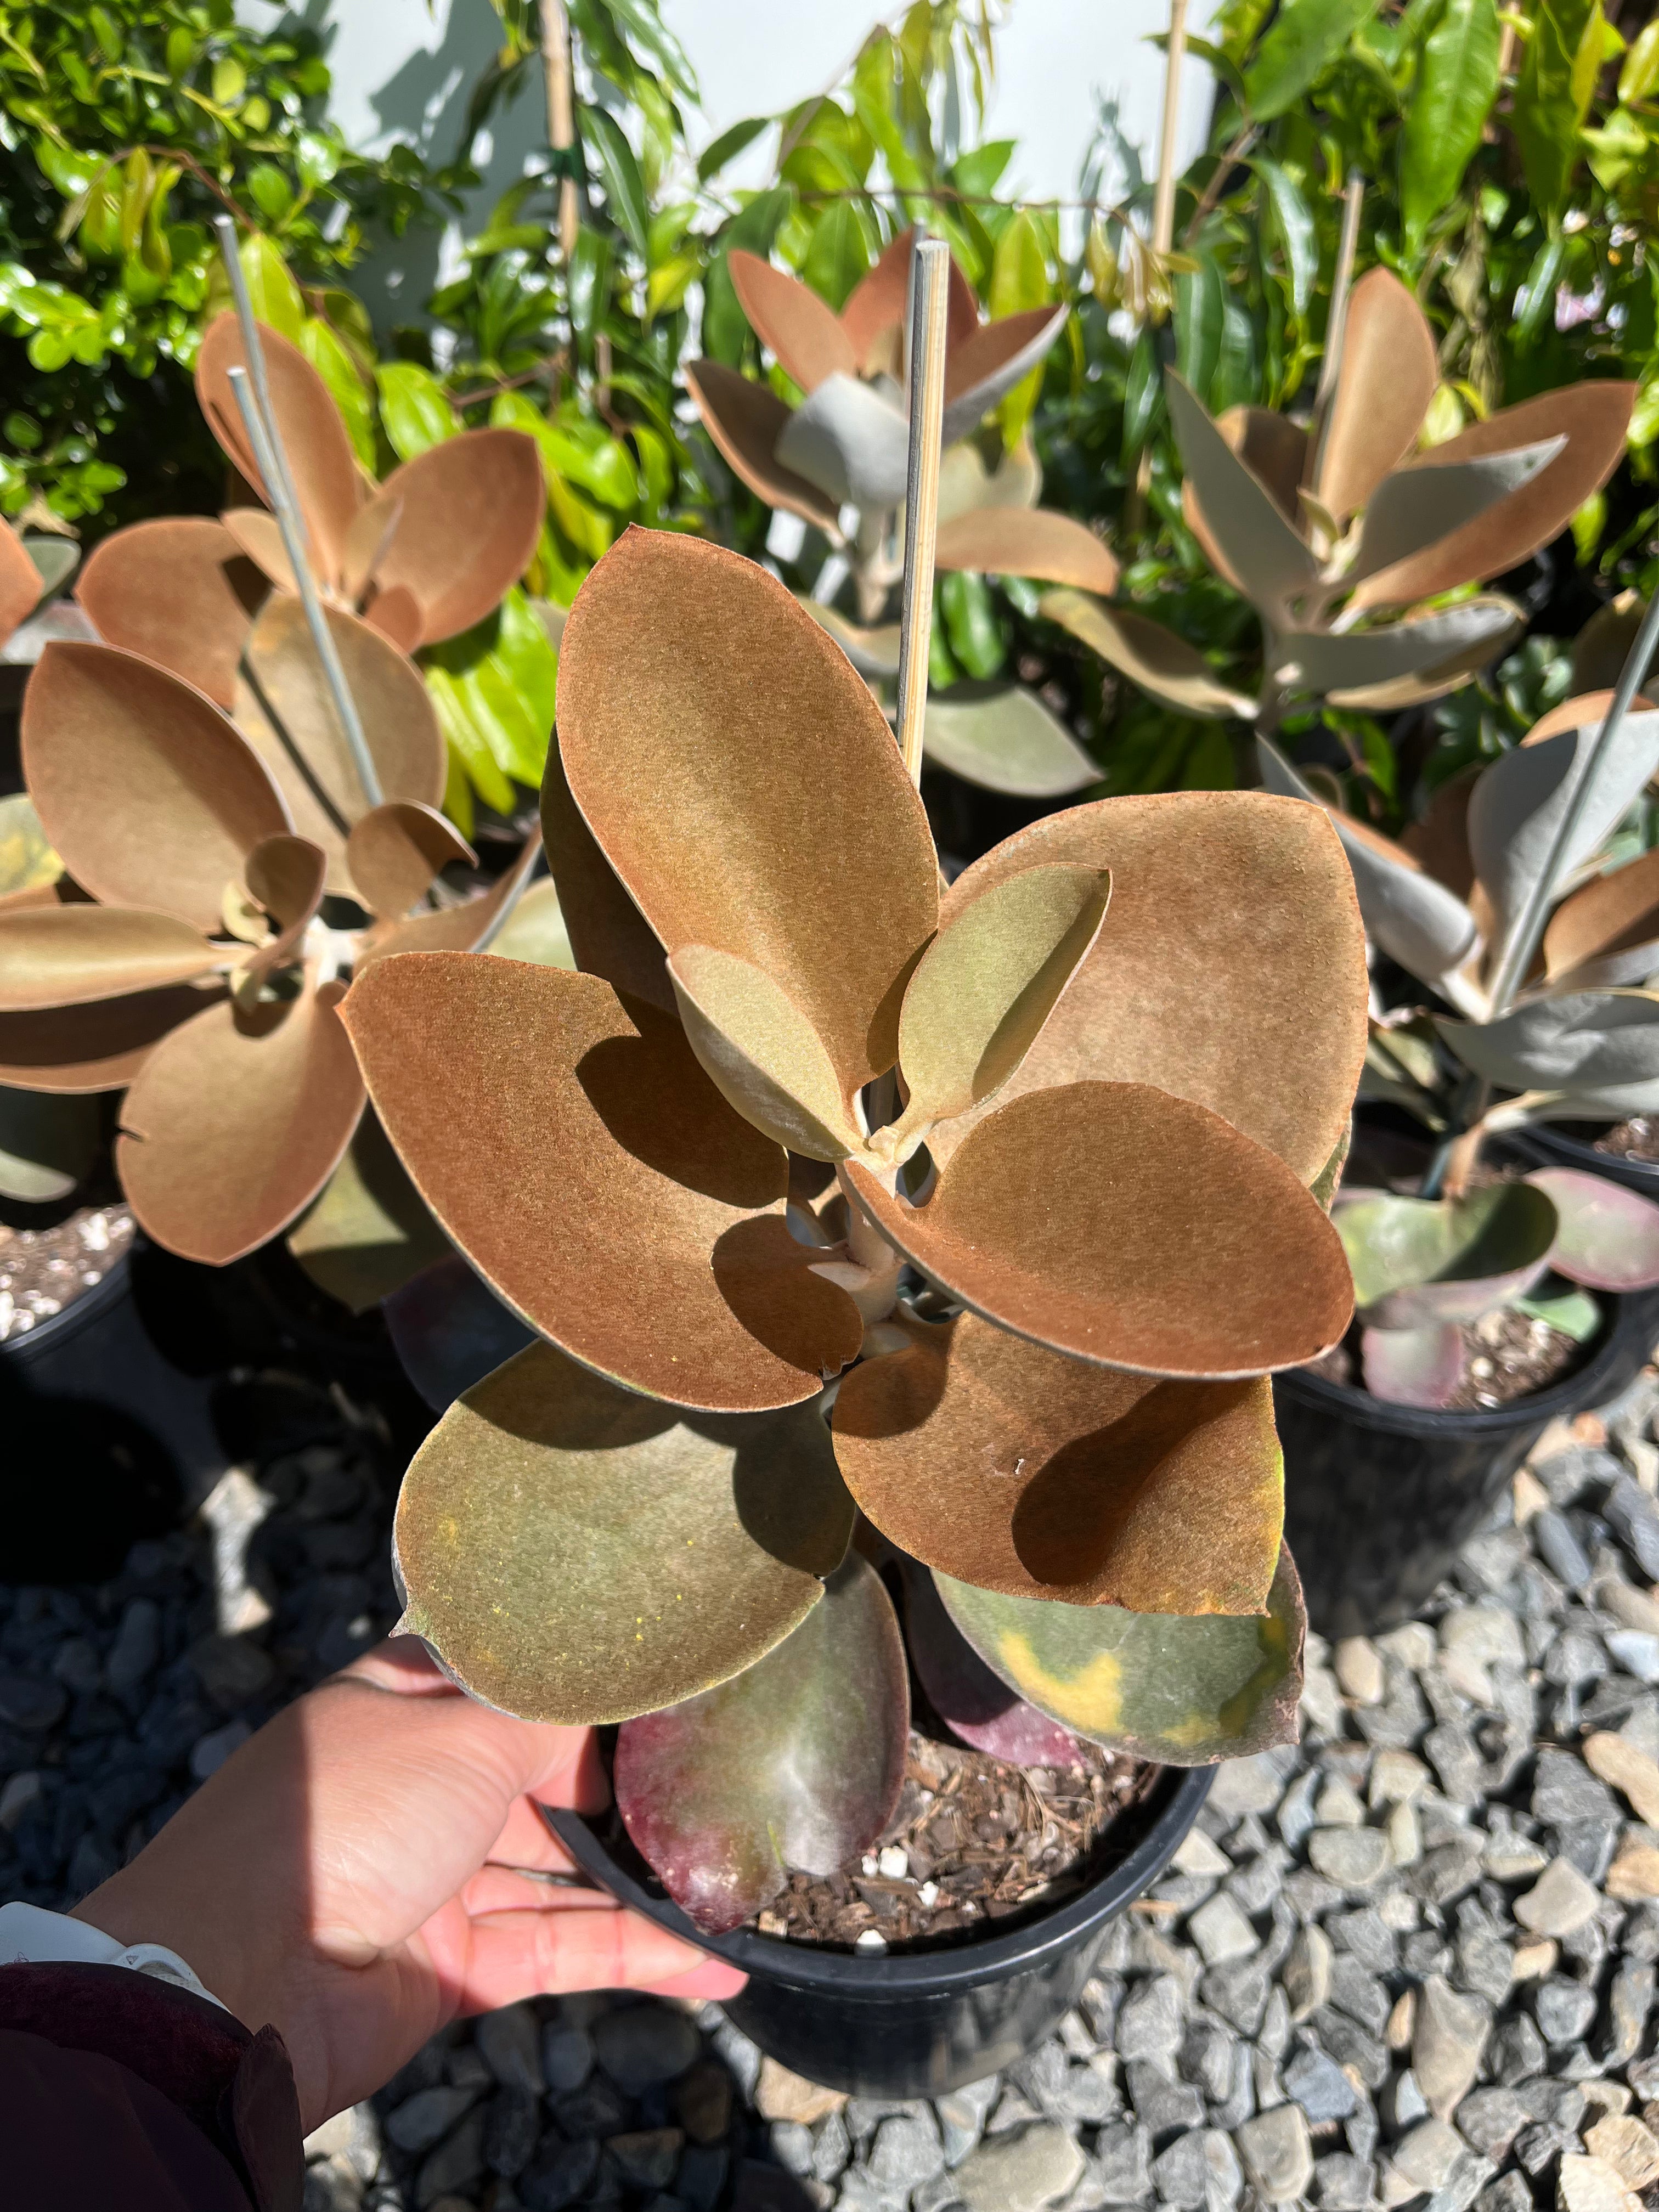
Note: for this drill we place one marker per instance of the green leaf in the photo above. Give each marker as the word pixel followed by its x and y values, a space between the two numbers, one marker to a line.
pixel 977 171
pixel 272 193
pixel 729 143
pixel 1639 77
pixel 1182 1690
pixel 1456 85
pixel 1419 1262
pixel 275 294
pixel 796 1763
pixel 370 1231
pixel 413 408
pixel 1552 99
pixel 328 355
pixel 642 20
pixel 1574 1312
pixel 1199 297
pixel 839 254
pixel 577 1552
pixel 1019 280
pixel 1296 227
pixel 725 326
pixel 1304 37
pixel 624 187
pixel 971 624
pixel 469 744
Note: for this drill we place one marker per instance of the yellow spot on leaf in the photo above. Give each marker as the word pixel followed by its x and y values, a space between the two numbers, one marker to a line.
pixel 1092 1699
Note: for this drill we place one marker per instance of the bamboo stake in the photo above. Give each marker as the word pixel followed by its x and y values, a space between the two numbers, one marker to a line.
pixel 560 113
pixel 930 293
pixel 266 454
pixel 1522 940
pixel 1163 195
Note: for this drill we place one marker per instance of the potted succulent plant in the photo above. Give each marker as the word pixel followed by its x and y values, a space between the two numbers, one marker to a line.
pixel 1075 1222
pixel 1523 910
pixel 837 461
pixel 1339 531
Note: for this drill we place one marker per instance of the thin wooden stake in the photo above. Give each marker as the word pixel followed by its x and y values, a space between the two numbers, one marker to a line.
pixel 561 113
pixel 1163 195
pixel 930 295
pixel 266 454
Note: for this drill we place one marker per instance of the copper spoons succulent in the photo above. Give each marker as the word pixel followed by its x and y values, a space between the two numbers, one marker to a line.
pixel 1056 1091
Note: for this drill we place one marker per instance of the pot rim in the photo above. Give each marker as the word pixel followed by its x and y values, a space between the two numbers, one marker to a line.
pixel 59 1328
pixel 1576 1388
pixel 808 1966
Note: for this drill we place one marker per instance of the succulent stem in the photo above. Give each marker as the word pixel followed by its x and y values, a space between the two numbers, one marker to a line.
pixel 929 298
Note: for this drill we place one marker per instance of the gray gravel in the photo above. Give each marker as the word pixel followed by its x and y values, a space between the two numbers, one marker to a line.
pixel 1411 1961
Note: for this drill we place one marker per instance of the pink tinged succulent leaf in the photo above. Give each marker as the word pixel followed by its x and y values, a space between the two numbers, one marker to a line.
pixel 976 1704
pixel 20 582
pixel 1608 1237
pixel 178 591
pixel 471 508
pixel 66 956
pixel 1185 1692
pixel 984 369
pixel 152 798
pixel 805 337
pixel 852 441
pixel 450 1330
pixel 1413 1366
pixel 795 1763
pixel 1418 1262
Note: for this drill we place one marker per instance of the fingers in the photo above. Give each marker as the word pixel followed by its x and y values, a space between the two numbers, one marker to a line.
pixel 503 1889
pixel 713 1979
pixel 525 1839
pixel 403 1665
pixel 597 1946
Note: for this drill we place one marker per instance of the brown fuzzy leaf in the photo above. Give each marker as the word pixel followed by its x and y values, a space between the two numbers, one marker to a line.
pixel 177 590
pixel 626 1164
pixel 313 430
pixel 397 615
pixel 66 956
pixel 990 360
pixel 689 750
pixel 804 336
pixel 286 875
pixel 396 850
pixel 1388 375
pixel 1027 541
pixel 1616 913
pixel 609 935
pixel 473 507
pixel 235 1123
pixel 745 421
pixel 1233 951
pixel 100 1047
pixel 873 318
pixel 284 706
pixel 1592 415
pixel 373 529
pixel 1017 1470
pixel 20 582
pixel 150 794
pixel 1439 840
pixel 259 537
pixel 1120 1224
pixel 460 928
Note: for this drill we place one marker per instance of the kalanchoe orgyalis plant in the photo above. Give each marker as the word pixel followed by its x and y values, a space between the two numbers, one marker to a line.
pixel 844 447
pixel 183 957
pixel 1059 1089
pixel 1336 532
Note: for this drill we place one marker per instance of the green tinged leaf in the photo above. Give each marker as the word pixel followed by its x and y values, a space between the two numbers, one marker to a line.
pixel 971 624
pixel 729 143
pixel 1304 37
pixel 276 296
pixel 328 355
pixel 624 187
pixel 840 253
pixel 1019 280
pixel 1295 225
pixel 1456 85
pixel 1639 77
pixel 726 334
pixel 413 408
pixel 1553 97
pixel 1200 314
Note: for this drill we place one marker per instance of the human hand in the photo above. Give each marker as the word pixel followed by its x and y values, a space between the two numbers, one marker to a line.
pixel 366 1868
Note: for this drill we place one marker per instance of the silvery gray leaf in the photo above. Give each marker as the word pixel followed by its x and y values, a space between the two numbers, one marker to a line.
pixel 1413 919
pixel 1518 803
pixel 1582 1040
pixel 1329 660
pixel 965 482
pixel 1255 539
pixel 1002 737
pixel 849 440
pixel 55 559
pixel 969 408
pixel 1416 506
pixel 873 652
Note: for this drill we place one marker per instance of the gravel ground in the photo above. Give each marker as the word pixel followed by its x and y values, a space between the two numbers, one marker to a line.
pixel 1411 1961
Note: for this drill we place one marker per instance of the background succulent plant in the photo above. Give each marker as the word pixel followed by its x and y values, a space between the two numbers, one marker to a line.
pixel 1056 1092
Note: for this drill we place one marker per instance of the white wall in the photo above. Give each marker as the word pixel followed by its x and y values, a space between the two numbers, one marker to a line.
pixel 402 72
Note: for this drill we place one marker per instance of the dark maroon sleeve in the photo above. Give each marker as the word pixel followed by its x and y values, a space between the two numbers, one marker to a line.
pixel 119 2089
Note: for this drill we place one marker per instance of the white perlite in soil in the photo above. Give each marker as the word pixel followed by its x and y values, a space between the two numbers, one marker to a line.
pixel 44 1270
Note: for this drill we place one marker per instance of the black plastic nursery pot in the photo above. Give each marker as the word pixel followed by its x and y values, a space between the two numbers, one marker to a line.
pixel 107 1439
pixel 1379 1498
pixel 922 2022
pixel 1548 1144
